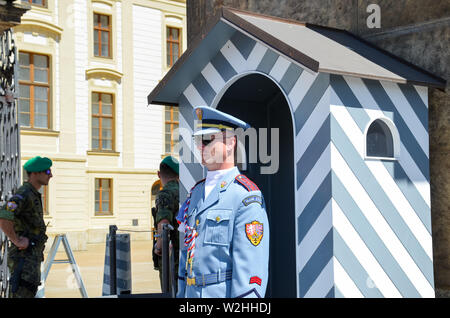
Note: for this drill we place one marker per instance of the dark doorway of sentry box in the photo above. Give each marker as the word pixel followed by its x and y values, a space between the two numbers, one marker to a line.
pixel 256 99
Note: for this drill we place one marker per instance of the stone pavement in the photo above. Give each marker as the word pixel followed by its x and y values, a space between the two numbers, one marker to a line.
pixel 61 282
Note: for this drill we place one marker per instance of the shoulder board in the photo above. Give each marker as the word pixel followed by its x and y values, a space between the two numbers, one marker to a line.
pixel 192 189
pixel 16 197
pixel 198 182
pixel 162 193
pixel 19 196
pixel 246 183
pixel 23 191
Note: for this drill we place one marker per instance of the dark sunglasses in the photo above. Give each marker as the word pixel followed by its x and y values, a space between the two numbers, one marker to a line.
pixel 204 140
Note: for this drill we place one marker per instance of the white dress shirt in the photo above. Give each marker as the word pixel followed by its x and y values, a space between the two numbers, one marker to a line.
pixel 212 177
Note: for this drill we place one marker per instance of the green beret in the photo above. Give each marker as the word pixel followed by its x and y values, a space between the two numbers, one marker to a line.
pixel 37 164
pixel 172 163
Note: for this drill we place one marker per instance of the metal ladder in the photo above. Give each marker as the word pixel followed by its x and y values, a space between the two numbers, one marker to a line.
pixel 70 260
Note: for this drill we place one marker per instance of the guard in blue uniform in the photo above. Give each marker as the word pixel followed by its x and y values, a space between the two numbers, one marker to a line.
pixel 225 250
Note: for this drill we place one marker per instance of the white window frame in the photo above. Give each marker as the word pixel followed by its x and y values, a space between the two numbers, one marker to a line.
pixel 395 139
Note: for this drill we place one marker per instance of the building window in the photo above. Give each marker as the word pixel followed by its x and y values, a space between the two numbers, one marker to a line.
pixel 102 35
pixel 171 128
pixel 34 90
pixel 173 45
pixel 102 121
pixel 103 196
pixel 379 140
pixel 39 3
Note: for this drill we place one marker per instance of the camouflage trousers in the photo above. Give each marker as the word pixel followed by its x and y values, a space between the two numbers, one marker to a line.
pixel 23 292
pixel 25 276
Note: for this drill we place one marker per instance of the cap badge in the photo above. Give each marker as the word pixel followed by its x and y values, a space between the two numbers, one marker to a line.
pixel 199 113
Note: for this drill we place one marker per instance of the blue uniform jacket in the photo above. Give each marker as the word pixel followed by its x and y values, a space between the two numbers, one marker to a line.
pixel 231 255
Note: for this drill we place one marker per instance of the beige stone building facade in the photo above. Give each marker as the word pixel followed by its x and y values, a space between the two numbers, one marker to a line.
pixel 85 69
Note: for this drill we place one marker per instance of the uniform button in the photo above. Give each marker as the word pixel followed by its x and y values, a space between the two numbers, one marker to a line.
pixel 197 222
pixel 218 218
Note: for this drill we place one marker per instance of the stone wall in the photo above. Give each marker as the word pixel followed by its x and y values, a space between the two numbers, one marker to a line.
pixel 416 30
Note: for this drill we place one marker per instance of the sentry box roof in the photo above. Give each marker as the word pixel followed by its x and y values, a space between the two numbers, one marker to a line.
pixel 318 48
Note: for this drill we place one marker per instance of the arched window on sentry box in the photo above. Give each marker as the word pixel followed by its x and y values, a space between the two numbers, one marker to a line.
pixel 382 140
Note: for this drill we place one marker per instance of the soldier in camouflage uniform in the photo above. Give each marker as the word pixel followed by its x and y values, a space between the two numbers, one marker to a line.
pixel 21 219
pixel 167 205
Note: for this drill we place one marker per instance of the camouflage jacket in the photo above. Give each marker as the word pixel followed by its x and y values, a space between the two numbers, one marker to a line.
pixel 167 206
pixel 24 208
pixel 167 203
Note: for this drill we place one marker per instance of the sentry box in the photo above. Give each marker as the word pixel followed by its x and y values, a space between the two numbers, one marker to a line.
pixel 342 157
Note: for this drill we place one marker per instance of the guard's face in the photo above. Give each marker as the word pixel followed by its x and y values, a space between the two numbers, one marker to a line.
pixel 215 148
pixel 45 176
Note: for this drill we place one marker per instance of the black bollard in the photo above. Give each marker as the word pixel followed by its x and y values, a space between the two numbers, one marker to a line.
pixel 173 274
pixel 165 258
pixel 112 260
